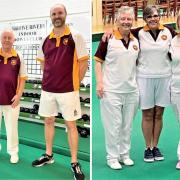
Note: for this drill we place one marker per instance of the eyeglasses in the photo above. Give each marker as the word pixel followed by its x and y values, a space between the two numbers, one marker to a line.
pixel 154 16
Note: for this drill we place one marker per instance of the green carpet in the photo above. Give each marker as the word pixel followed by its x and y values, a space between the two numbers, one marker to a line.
pixel 164 170
pixel 60 170
pixel 32 134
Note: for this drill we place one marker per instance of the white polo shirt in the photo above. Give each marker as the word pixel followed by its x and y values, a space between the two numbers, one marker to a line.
pixel 119 63
pixel 175 54
pixel 153 59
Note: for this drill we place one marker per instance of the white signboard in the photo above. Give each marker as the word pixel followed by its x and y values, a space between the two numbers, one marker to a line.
pixel 29 34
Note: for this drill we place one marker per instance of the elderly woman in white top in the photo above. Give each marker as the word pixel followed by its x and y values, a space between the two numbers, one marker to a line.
pixel 175 83
pixel 117 88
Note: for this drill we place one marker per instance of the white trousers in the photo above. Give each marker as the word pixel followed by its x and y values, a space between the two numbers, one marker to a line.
pixel 117 112
pixel 178 151
pixel 175 100
pixel 11 123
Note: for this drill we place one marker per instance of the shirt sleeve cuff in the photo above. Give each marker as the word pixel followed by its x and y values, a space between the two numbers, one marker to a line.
pixel 23 77
pixel 83 58
pixel 40 59
pixel 98 59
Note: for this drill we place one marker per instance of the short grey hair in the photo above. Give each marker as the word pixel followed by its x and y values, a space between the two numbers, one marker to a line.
pixel 125 9
pixel 148 11
pixel 10 30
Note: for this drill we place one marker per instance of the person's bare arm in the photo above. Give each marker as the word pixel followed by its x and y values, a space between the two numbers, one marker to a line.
pixel 99 79
pixel 83 66
pixel 107 35
pixel 42 65
pixel 16 99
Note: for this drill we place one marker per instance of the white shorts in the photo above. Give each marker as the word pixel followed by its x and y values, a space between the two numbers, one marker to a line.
pixel 66 103
pixel 154 91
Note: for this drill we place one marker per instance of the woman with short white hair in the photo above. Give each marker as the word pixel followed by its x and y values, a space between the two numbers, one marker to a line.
pixel 117 88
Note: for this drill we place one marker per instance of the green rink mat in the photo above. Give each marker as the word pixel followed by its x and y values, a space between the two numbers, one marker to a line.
pixel 32 134
pixel 169 139
pixel 23 170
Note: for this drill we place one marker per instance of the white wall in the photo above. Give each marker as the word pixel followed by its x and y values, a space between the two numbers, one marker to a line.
pixel 20 9
pixel 22 13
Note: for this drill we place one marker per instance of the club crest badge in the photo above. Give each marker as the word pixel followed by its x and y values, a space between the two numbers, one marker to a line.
pixel 65 41
pixel 163 37
pixel 13 62
pixel 135 47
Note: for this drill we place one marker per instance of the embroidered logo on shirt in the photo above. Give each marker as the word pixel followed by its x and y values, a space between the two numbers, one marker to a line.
pixel 65 41
pixel 163 37
pixel 13 62
pixel 75 112
pixel 135 47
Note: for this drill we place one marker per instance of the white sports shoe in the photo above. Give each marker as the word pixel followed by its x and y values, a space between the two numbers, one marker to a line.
pixel 126 161
pixel 114 164
pixel 14 159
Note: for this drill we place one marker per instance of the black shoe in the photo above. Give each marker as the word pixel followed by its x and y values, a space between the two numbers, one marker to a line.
pixel 148 155
pixel 76 169
pixel 44 159
pixel 157 154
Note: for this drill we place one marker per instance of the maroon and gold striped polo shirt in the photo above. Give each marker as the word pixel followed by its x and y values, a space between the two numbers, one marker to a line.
pixel 11 68
pixel 61 66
